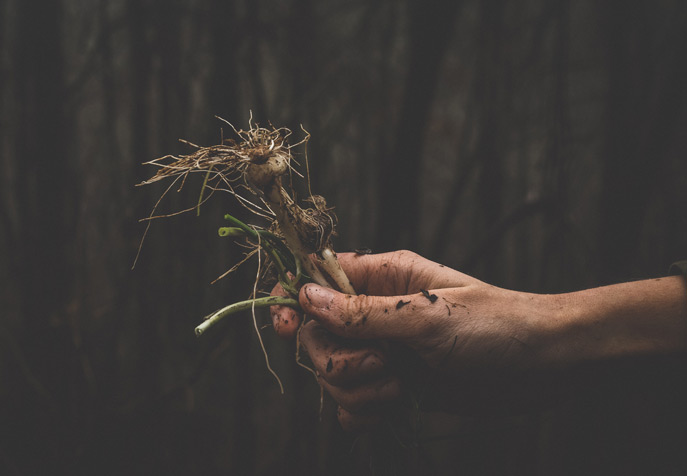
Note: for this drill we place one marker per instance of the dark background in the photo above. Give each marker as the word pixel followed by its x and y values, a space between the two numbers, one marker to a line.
pixel 537 145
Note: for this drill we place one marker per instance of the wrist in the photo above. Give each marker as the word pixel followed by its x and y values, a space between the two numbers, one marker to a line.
pixel 629 319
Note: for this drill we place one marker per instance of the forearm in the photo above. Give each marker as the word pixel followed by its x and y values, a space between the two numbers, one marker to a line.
pixel 638 318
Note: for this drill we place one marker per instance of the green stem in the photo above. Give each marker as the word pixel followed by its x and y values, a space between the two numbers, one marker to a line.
pixel 232 231
pixel 288 285
pixel 281 255
pixel 267 236
pixel 244 306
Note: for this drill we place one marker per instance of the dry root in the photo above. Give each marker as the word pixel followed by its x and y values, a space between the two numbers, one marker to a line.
pixel 255 164
pixel 252 168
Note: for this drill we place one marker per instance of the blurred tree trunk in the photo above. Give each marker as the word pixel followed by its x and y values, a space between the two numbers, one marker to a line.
pixel 147 349
pixel 252 59
pixel 490 92
pixel 43 165
pixel 227 33
pixel 645 99
pixel 225 36
pixel 46 199
pixel 399 205
pixel 556 169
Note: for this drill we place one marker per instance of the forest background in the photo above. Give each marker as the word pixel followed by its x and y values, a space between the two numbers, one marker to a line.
pixel 537 145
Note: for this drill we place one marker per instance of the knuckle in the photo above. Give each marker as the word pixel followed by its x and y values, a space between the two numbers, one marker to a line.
pixel 403 259
pixel 348 366
pixel 310 331
pixel 351 422
pixel 352 401
pixel 355 311
pixel 346 420
pixel 407 255
pixel 370 397
pixel 336 370
pixel 340 363
pixel 393 390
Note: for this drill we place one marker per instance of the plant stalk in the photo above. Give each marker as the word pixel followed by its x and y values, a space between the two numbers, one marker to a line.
pixel 284 208
pixel 267 301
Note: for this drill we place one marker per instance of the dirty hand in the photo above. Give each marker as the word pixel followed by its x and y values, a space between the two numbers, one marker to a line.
pixel 474 341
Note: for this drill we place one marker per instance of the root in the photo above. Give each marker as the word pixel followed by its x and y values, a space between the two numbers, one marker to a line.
pixel 248 256
pixel 145 233
pixel 256 163
pixel 297 238
pixel 257 330
pixel 309 369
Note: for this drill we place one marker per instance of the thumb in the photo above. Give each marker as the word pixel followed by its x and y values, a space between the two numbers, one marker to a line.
pixel 365 317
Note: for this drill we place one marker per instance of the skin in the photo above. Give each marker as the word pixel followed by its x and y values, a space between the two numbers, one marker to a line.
pixel 459 345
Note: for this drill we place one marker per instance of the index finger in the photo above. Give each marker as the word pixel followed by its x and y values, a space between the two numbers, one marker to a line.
pixel 285 320
pixel 398 273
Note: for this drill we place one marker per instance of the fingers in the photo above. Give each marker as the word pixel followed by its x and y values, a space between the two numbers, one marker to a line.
pixel 379 274
pixel 397 273
pixel 372 317
pixel 342 362
pixel 353 373
pixel 355 422
pixel 365 398
pixel 284 319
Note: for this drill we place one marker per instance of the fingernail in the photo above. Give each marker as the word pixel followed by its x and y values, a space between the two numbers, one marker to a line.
pixel 319 297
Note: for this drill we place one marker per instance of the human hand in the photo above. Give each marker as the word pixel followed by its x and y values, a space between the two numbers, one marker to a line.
pixel 475 341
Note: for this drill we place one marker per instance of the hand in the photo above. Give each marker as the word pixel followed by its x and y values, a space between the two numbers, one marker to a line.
pixel 471 337
pixel 481 348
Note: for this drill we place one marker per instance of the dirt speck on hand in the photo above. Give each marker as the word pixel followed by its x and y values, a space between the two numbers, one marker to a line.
pixel 432 297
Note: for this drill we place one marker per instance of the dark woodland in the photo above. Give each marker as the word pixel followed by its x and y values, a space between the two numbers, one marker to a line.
pixel 536 145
